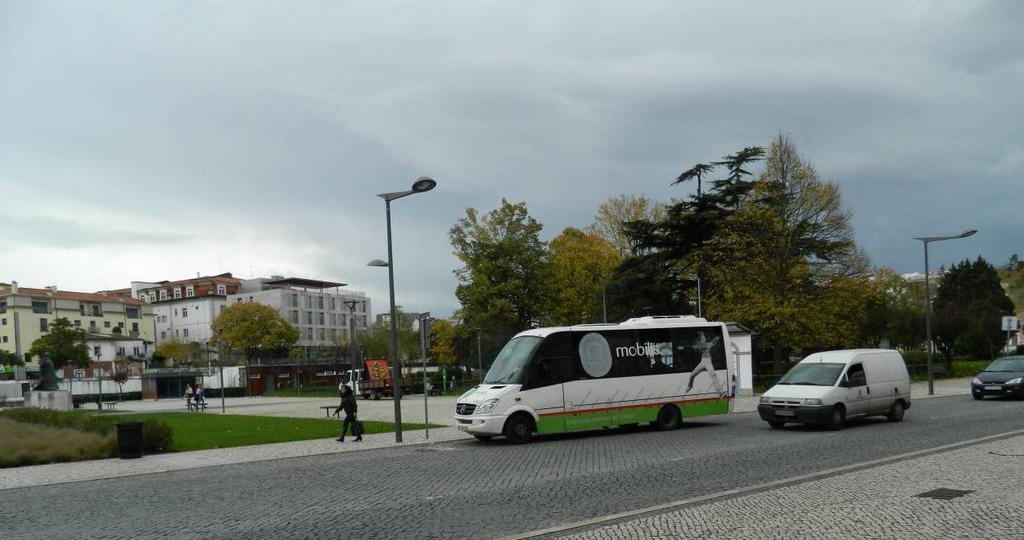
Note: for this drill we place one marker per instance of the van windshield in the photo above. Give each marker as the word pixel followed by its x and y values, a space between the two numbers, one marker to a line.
pixel 814 374
pixel 509 366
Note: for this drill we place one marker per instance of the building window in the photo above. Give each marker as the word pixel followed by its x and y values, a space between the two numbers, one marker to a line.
pixel 44 325
pixel 163 294
pixel 175 312
pixel 295 300
pixel 295 317
pixel 309 334
pixel 136 351
pixel 163 334
pixel 222 289
pixel 190 291
pixel 184 313
pixel 177 332
pixel 309 301
pixel 96 311
pixel 106 324
pixel 184 332
pixel 92 326
pixel 319 302
pixel 321 318
pixel 5 339
pixel 3 307
pixel 78 323
pixel 40 306
pixel 81 308
pixel 135 327
pixel 333 304
pixel 132 312
pixel 96 352
pixel 120 325
pixel 238 300
pixel 120 351
pixel 3 322
pixel 177 292
pixel 321 334
pixel 334 319
pixel 309 317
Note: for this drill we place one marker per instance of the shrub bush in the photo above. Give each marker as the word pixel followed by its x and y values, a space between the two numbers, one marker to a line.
pixel 157 437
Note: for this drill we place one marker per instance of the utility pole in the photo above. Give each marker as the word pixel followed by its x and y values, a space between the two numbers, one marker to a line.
pixel 424 343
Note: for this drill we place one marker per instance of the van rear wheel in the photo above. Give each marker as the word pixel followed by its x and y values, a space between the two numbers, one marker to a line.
pixel 668 418
pixel 896 412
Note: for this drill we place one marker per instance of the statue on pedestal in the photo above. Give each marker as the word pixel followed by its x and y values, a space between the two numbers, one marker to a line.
pixel 47 376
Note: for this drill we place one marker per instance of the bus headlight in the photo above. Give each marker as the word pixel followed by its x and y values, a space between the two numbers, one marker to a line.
pixel 487 406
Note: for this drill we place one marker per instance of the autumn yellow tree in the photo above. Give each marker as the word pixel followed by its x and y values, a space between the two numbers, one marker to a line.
pixel 613 215
pixel 442 342
pixel 581 263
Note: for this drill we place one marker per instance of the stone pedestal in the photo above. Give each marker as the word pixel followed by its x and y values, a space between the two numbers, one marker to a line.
pixel 59 400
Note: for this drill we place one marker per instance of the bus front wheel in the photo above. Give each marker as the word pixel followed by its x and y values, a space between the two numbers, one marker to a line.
pixel 519 429
pixel 668 418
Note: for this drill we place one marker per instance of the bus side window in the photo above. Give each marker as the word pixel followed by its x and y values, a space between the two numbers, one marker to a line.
pixel 553 363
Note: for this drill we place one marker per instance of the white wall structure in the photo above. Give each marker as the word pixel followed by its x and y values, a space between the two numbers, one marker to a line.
pixel 187 319
pixel 107 348
pixel 741 352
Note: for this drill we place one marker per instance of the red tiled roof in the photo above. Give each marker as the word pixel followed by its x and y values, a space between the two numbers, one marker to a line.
pixel 219 278
pixel 70 295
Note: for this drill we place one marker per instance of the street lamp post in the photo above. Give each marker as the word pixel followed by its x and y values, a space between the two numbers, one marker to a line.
pixel 421 185
pixel 351 305
pixel 424 338
pixel 928 300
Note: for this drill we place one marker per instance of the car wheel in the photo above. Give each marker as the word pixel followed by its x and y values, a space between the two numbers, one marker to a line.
pixel 836 419
pixel 896 412
pixel 777 425
pixel 978 397
pixel 483 438
pixel 668 418
pixel 519 429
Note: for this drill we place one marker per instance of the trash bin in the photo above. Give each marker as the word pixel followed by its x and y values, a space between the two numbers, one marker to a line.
pixel 129 440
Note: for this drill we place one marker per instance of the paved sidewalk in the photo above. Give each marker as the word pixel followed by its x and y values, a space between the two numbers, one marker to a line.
pixel 879 502
pixel 59 473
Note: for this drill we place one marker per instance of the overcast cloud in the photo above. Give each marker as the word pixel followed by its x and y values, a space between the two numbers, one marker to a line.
pixel 155 140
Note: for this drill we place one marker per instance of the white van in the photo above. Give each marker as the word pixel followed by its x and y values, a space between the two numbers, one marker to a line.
pixel 828 388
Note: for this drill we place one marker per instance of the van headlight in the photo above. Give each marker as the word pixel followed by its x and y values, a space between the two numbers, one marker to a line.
pixel 1014 381
pixel 487 406
pixel 812 401
pixel 976 381
pixel 765 400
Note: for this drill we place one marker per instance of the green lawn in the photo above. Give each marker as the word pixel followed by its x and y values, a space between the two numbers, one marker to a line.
pixel 199 431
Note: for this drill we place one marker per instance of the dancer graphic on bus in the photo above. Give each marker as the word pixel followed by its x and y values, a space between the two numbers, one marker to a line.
pixel 705 363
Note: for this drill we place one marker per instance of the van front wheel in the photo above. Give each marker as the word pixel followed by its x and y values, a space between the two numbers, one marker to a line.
pixel 519 429
pixel 896 412
pixel 837 419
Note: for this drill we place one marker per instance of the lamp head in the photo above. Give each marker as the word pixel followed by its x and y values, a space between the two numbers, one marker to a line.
pixel 423 183
pixel 967 233
pixel 378 262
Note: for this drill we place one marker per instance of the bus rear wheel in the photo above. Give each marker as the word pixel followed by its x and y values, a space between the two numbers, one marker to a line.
pixel 519 429
pixel 668 418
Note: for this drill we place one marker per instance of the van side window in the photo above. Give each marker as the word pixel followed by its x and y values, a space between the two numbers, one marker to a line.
pixel 553 363
pixel 855 376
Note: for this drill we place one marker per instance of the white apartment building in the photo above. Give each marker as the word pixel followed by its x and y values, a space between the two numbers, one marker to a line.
pixel 184 310
pixel 320 310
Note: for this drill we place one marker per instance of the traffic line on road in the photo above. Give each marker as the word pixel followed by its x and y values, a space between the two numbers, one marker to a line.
pixel 767 486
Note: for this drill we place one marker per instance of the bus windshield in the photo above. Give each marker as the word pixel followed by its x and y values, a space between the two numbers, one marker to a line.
pixel 509 366
pixel 814 374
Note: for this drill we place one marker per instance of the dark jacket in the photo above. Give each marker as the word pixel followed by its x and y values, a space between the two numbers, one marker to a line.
pixel 348 404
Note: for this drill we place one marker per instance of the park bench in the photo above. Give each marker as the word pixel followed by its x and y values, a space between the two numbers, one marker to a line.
pixel 110 405
pixel 195 405
pixel 328 408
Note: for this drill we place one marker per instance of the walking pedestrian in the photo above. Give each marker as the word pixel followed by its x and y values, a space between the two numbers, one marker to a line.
pixel 348 404
pixel 200 397
pixel 189 394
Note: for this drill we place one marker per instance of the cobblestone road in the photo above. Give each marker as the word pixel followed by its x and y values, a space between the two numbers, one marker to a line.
pixel 473 490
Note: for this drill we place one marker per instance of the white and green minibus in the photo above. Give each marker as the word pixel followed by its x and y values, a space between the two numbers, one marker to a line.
pixel 649 369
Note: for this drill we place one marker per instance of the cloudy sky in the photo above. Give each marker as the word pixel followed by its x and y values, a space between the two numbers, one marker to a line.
pixel 155 140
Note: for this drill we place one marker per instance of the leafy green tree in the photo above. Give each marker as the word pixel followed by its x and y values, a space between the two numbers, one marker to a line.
pixel 581 264
pixel 174 350
pixel 787 262
pixel 10 359
pixel 376 340
pixel 63 345
pixel 895 312
pixel 442 342
pixel 253 329
pixel 968 308
pixel 614 215
pixel 503 281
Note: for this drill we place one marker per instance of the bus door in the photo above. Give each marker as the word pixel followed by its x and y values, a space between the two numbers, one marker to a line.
pixel 542 386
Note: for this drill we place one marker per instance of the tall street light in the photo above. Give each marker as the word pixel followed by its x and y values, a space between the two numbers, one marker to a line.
pixel 928 300
pixel 422 184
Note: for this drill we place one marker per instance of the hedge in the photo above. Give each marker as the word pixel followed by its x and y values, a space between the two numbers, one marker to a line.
pixel 157 436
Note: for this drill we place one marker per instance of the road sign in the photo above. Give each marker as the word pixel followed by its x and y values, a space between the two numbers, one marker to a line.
pixel 1010 323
